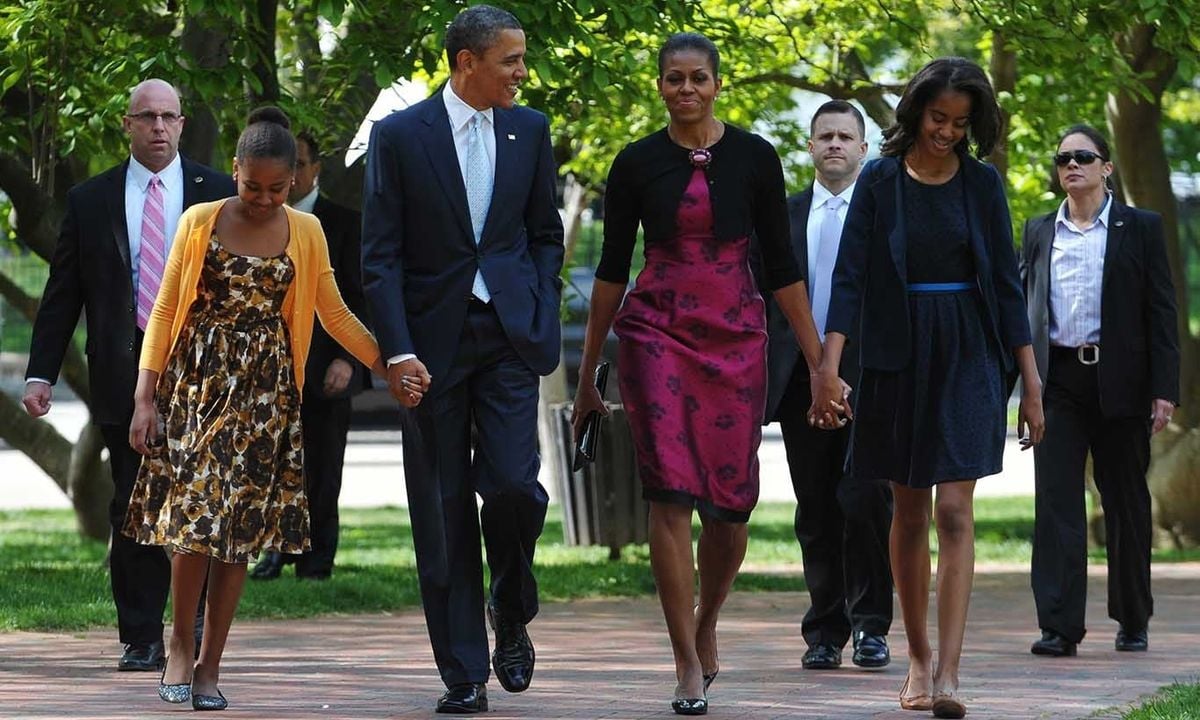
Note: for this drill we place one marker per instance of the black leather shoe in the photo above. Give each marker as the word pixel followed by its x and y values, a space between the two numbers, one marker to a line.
pixel 690 706
pixel 822 657
pixel 1132 640
pixel 871 651
pixel 268 567
pixel 464 699
pixel 143 656
pixel 1054 645
pixel 513 658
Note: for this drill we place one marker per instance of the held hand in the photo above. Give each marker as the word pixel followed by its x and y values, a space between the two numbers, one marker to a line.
pixel 143 431
pixel 337 376
pixel 408 382
pixel 829 401
pixel 1160 413
pixel 1031 421
pixel 37 398
pixel 587 400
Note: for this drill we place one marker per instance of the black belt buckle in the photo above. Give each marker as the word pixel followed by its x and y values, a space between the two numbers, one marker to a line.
pixel 1088 354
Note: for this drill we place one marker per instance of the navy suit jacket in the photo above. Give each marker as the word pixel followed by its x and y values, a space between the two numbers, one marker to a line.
pixel 1139 361
pixel 871 269
pixel 91 272
pixel 419 251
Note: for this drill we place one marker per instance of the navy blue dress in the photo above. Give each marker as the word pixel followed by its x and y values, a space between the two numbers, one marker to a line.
pixel 942 418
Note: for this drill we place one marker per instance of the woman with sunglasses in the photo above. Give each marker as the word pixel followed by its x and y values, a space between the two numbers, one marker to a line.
pixel 927 277
pixel 1102 312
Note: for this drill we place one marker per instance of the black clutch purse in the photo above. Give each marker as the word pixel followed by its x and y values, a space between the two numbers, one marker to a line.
pixel 585 447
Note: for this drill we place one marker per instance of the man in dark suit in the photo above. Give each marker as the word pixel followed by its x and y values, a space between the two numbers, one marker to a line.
pixel 1102 311
pixel 462 248
pixel 117 230
pixel 842 524
pixel 325 412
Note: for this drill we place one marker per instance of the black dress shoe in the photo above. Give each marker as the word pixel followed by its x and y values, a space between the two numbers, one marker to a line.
pixel 822 657
pixel 464 699
pixel 513 658
pixel 871 651
pixel 143 656
pixel 1132 640
pixel 690 706
pixel 268 567
pixel 1055 645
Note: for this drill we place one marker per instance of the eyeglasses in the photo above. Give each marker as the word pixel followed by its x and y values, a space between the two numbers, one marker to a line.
pixel 150 118
pixel 1081 157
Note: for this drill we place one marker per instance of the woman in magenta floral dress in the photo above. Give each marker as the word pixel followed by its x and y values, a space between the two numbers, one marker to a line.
pixel 692 352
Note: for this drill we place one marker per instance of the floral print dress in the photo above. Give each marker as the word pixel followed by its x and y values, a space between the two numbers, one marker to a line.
pixel 229 481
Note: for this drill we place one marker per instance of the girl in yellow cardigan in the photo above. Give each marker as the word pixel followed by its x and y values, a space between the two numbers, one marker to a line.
pixel 217 405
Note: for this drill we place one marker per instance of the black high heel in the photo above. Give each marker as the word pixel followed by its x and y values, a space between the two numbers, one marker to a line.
pixel 708 679
pixel 177 693
pixel 690 706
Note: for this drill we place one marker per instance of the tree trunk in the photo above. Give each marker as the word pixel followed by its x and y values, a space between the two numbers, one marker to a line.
pixel 1003 67
pixel 208 48
pixel 260 33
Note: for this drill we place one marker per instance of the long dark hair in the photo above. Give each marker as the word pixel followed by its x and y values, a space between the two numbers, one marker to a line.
pixel 947 73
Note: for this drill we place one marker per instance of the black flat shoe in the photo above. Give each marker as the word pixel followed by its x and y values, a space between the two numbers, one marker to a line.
pixel 822 657
pixel 871 651
pixel 465 699
pixel 145 657
pixel 209 702
pixel 690 706
pixel 1132 640
pixel 1054 645
pixel 177 693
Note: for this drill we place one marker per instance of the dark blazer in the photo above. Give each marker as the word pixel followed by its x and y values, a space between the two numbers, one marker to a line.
pixel 871 269
pixel 419 252
pixel 1139 357
pixel 343 233
pixel 91 272
pixel 783 352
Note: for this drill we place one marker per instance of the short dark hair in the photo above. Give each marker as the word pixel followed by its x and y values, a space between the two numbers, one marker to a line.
pixel 947 73
pixel 840 107
pixel 1090 133
pixel 267 135
pixel 314 148
pixel 680 42
pixel 475 29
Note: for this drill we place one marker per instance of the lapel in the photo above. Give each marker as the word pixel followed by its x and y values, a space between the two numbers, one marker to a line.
pixel 802 208
pixel 115 200
pixel 506 153
pixel 438 142
pixel 1118 220
pixel 192 182
pixel 898 238
pixel 972 181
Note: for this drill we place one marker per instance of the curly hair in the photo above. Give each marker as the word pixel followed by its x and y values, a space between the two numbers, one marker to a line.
pixel 947 73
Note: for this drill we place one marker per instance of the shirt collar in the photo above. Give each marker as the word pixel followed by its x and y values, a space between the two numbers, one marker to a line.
pixel 140 174
pixel 821 194
pixel 459 111
pixel 1101 219
pixel 309 201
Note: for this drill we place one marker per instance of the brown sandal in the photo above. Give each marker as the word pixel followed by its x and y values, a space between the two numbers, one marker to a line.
pixel 947 704
pixel 920 702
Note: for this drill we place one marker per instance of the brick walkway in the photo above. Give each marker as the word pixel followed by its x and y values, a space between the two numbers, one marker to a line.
pixel 610 659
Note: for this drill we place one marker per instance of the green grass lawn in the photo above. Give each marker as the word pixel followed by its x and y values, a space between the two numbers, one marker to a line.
pixel 51 579
pixel 1180 701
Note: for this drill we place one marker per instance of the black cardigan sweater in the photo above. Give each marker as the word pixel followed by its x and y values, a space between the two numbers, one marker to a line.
pixel 745 185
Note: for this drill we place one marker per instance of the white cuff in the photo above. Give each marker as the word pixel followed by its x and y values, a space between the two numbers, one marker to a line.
pixel 397 359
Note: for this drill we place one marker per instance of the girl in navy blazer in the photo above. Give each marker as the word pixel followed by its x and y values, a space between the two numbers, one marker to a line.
pixel 927 276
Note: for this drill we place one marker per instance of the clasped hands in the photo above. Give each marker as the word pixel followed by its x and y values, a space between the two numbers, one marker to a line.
pixel 408 381
pixel 830 407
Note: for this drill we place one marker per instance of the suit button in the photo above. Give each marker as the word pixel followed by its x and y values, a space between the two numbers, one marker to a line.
pixel 130 347
pixel 131 309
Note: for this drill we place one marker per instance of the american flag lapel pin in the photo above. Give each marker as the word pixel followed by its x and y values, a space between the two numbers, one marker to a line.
pixel 512 137
pixel 198 179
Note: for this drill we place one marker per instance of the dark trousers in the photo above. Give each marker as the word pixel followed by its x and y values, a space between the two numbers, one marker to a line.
pixel 326 422
pixel 842 525
pixel 140 574
pixel 1120 450
pixel 491 390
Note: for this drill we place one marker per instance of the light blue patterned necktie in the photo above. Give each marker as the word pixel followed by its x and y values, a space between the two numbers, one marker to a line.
pixel 827 247
pixel 479 191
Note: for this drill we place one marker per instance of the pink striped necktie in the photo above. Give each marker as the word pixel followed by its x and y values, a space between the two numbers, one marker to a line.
pixel 152 257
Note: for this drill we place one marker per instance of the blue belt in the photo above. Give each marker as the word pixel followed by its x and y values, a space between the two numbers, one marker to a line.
pixel 948 287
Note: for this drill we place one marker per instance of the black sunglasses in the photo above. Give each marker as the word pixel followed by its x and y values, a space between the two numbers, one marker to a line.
pixel 1081 157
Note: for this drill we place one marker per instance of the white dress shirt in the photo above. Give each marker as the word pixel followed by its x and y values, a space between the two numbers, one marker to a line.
pixel 460 114
pixel 820 280
pixel 1076 275
pixel 137 182
pixel 309 201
